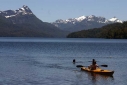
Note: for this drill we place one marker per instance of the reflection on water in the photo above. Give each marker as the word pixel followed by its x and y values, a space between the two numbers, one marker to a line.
pixel 96 78
pixel 87 78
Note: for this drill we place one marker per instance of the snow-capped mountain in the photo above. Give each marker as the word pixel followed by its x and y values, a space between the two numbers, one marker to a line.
pixel 89 18
pixel 23 23
pixel 21 15
pixel 25 10
pixel 84 22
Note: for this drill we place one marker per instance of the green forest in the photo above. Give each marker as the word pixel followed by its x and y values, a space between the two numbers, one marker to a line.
pixel 111 31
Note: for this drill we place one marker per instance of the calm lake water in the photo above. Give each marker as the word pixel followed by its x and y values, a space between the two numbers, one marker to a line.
pixel 48 61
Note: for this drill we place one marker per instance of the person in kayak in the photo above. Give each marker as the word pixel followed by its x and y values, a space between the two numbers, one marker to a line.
pixel 93 66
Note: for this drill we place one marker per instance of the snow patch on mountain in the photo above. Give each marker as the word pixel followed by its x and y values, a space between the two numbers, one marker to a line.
pixel 114 19
pixel 10 16
pixel 80 18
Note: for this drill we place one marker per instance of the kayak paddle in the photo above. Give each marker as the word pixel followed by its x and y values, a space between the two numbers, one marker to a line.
pixel 87 66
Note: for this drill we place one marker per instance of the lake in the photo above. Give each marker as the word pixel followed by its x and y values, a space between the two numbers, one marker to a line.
pixel 48 61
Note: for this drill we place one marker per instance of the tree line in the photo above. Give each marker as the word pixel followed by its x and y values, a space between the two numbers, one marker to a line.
pixel 111 31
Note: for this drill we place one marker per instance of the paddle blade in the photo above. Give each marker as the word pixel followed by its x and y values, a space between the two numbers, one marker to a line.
pixel 79 66
pixel 104 65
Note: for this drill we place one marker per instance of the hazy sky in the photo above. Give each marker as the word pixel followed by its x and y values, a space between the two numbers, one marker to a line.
pixel 51 10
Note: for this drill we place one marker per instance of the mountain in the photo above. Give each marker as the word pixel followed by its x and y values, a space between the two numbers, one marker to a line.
pixel 84 22
pixel 23 23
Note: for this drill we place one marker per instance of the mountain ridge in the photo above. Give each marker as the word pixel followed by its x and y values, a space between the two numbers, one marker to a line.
pixel 84 22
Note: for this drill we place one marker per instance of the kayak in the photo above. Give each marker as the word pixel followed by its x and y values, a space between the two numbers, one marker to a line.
pixel 98 71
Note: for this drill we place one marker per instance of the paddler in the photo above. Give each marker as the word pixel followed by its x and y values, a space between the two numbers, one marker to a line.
pixel 94 65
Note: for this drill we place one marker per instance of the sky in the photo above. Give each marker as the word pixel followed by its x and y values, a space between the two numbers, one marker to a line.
pixel 51 10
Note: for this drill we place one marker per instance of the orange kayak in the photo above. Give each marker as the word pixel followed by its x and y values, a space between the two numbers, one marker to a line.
pixel 98 71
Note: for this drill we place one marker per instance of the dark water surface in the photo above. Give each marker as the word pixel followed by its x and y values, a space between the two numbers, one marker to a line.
pixel 45 61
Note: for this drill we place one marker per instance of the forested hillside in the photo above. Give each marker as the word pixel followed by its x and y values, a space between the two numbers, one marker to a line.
pixel 112 31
